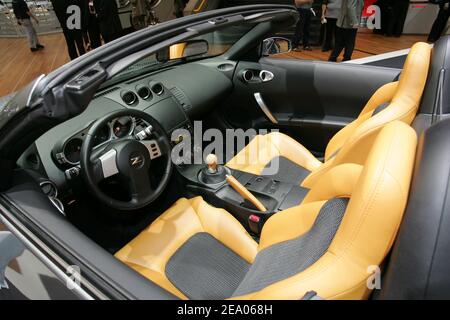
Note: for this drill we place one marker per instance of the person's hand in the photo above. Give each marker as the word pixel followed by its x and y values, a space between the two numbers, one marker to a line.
pixel 36 20
pixel 19 23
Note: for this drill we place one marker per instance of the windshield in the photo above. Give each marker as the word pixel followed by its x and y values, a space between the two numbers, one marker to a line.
pixel 205 46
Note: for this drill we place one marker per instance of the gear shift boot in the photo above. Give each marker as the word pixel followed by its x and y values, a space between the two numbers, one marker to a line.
pixel 207 177
pixel 213 173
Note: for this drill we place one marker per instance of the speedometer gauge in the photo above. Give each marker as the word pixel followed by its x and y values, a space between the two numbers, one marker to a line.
pixel 122 127
pixel 72 150
pixel 103 135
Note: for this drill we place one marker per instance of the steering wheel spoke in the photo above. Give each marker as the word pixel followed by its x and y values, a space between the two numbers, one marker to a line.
pixel 106 165
pixel 153 148
pixel 140 186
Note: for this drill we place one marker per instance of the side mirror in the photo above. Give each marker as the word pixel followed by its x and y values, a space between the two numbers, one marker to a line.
pixel 276 45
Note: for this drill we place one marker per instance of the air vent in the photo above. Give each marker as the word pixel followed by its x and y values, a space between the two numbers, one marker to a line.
pixel 100 94
pixel 129 97
pixel 225 67
pixel 181 98
pixel 49 188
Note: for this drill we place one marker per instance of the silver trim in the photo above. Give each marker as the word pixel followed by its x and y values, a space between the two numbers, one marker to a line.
pixel 79 291
pixel 64 149
pixel 135 96
pixel 245 73
pixel 52 184
pixel 160 92
pixel 152 147
pixel 266 76
pixel 34 88
pixel 149 93
pixel 109 165
pixel 379 57
pixel 264 108
pixel 58 205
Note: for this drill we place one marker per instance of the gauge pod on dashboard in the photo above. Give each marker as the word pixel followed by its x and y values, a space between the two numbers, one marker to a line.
pixel 129 97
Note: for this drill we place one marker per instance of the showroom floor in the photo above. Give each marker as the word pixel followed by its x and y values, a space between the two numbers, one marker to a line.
pixel 18 66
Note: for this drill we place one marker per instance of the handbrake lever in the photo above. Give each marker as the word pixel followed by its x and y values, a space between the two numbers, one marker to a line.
pixel 245 193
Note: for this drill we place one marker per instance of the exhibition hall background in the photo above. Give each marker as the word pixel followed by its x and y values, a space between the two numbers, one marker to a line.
pixel 18 66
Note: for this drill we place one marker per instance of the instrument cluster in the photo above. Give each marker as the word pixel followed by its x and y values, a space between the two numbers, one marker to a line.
pixel 69 151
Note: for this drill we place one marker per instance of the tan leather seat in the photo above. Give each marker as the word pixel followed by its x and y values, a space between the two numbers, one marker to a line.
pixel 394 101
pixel 329 243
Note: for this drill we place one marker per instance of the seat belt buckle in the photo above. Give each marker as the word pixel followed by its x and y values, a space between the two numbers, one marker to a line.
pixel 255 223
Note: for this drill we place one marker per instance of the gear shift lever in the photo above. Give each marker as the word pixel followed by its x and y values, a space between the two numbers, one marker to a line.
pixel 212 173
pixel 211 161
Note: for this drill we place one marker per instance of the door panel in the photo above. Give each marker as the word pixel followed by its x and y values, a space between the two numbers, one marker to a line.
pixel 311 100
pixel 24 276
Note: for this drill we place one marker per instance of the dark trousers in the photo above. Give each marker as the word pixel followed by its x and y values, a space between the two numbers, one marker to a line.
pixel 108 37
pixel 93 30
pixel 302 28
pixel 74 41
pixel 439 25
pixel 345 39
pixel 330 34
pixel 397 16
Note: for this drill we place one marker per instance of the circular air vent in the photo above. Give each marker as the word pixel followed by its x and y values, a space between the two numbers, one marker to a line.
pixel 49 188
pixel 144 92
pixel 158 88
pixel 247 75
pixel 225 67
pixel 129 97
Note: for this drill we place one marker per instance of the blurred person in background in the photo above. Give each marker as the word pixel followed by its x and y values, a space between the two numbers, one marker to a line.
pixel 347 29
pixel 398 9
pixel 179 6
pixel 304 8
pixel 330 13
pixel 73 37
pixel 108 19
pixel 91 27
pixel 139 13
pixel 441 21
pixel 24 16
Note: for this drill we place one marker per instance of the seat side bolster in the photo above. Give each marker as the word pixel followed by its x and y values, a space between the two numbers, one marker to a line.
pixel 149 252
pixel 382 95
pixel 225 228
pixel 263 148
pixel 338 182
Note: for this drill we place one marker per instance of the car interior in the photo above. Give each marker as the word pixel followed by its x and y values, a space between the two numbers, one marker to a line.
pixel 336 185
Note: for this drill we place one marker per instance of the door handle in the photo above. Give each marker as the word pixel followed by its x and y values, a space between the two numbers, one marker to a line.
pixel 264 108
pixel 266 76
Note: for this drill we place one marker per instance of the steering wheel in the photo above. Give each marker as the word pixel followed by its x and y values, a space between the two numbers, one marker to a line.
pixel 127 159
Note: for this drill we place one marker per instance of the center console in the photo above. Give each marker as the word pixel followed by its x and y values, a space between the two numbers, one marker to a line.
pixel 210 182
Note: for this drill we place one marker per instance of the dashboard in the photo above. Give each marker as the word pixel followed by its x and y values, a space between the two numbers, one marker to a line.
pixel 170 96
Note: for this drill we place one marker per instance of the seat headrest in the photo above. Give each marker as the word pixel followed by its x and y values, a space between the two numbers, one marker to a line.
pixel 415 72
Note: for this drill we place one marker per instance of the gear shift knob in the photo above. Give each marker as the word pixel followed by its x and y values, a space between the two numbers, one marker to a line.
pixel 211 161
